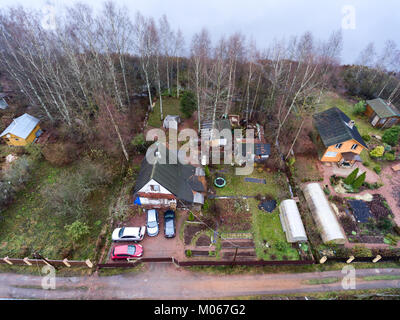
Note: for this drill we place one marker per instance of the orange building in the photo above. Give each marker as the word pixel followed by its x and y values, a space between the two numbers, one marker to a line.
pixel 338 137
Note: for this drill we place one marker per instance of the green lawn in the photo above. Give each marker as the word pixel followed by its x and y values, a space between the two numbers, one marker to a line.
pixel 27 225
pixel 170 107
pixel 267 228
pixel 236 185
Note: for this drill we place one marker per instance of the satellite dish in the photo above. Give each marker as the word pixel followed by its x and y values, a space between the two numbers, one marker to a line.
pixel 8 136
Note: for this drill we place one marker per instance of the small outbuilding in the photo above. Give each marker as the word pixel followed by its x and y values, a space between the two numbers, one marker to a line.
pixel 22 131
pixel 291 221
pixel 381 113
pixel 3 102
pixel 323 214
pixel 171 122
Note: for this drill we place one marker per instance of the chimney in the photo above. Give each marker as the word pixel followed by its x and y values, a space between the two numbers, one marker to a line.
pixel 351 124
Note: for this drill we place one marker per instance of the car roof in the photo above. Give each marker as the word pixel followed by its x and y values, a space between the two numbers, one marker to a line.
pixel 121 249
pixel 131 231
pixel 169 213
pixel 151 214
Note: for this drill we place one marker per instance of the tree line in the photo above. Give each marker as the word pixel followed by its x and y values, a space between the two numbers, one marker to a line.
pixel 92 64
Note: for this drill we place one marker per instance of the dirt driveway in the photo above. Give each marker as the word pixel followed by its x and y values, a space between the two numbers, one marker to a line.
pixel 159 246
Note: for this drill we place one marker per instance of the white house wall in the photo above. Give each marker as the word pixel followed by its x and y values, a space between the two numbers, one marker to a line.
pixel 147 189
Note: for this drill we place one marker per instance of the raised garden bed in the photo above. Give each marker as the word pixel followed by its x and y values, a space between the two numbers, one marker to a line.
pixel 190 231
pixel 203 241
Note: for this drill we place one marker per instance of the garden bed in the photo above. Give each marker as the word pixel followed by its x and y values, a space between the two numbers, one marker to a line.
pixel 190 232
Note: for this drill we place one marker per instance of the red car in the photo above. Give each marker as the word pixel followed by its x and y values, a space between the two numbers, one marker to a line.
pixel 127 251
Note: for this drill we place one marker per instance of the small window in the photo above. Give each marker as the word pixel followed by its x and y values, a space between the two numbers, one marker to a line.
pixel 338 146
pixel 155 188
pixel 354 146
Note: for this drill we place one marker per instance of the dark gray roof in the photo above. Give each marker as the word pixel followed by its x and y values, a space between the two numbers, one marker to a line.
pixel 332 126
pixel 259 149
pixel 178 178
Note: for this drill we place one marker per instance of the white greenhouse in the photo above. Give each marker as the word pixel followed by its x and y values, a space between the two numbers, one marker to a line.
pixel 291 221
pixel 323 214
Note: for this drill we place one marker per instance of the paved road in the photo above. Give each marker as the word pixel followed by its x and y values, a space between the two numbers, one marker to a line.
pixel 165 281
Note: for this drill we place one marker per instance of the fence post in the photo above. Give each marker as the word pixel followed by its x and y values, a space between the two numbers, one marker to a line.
pixel 8 261
pixel 175 262
pixel 377 258
pixel 65 261
pixel 351 258
pixel 323 259
pixel 26 260
pixel 89 263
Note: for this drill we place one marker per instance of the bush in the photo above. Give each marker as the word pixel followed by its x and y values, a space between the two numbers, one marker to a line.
pixel 188 103
pixel 206 171
pixel 366 163
pixel 60 154
pixel 19 173
pixel 359 181
pixel 77 230
pixel 188 253
pixel 378 169
pixel 377 152
pixel 68 195
pixel 191 216
pixel 366 137
pixel 389 156
pixel 351 177
pixel 391 136
pixel 359 108
pixel 34 150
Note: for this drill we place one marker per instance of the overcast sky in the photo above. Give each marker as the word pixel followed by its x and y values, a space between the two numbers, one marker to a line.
pixel 264 20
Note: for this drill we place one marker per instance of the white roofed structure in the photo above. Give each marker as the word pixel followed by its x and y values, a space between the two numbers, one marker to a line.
pixel 291 221
pixel 323 214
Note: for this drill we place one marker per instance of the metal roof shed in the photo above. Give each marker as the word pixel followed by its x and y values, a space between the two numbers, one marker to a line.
pixel 323 214
pixel 291 221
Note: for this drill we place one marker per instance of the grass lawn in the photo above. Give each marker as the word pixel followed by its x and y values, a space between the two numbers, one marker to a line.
pixel 27 225
pixel 267 228
pixel 170 106
pixel 237 186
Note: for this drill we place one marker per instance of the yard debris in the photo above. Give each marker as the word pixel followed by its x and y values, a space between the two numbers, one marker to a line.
pixel 366 197
pixel 396 168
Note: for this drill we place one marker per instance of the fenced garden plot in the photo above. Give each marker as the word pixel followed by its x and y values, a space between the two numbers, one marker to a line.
pixel 269 237
pixel 369 221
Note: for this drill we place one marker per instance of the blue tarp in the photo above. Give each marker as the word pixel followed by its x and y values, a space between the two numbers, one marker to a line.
pixel 137 201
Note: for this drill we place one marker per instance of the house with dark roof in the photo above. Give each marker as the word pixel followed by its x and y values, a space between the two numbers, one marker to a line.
pixel 22 131
pixel 338 137
pixel 381 113
pixel 162 183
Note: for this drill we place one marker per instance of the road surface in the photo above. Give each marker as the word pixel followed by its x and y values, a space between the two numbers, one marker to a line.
pixel 166 281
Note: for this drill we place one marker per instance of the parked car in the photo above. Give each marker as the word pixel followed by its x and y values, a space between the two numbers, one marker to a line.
pixel 169 224
pixel 152 222
pixel 127 251
pixel 128 234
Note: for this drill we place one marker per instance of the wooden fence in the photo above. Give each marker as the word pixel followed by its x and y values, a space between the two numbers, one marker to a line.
pixel 204 263
pixel 55 263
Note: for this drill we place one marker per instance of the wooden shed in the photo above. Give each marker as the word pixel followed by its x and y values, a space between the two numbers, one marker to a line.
pixel 381 113
pixel 22 131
